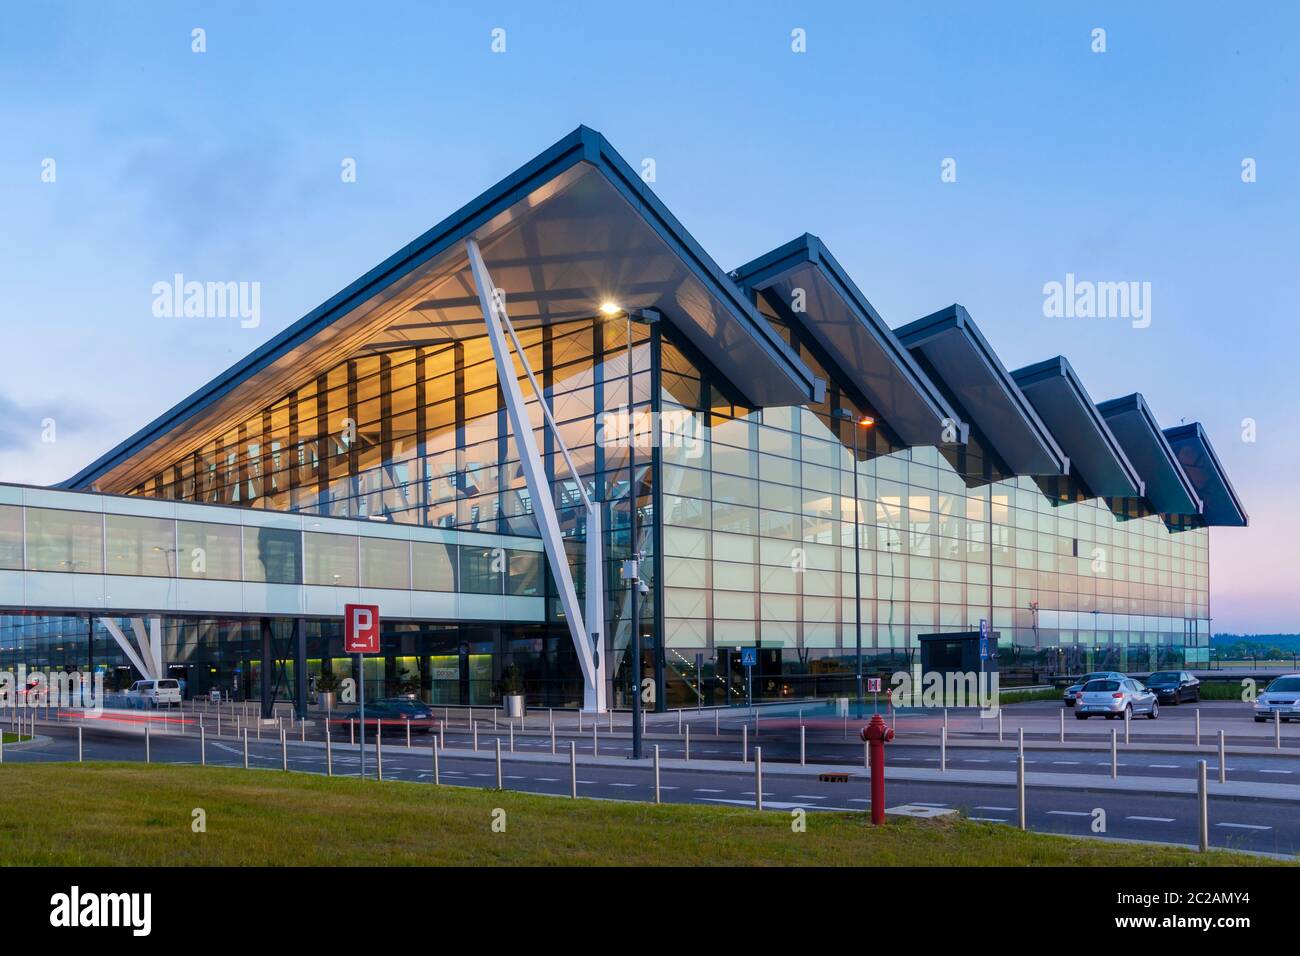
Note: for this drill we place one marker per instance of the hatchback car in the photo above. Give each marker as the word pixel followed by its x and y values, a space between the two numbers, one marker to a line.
pixel 1174 687
pixel 1072 692
pixel 1116 698
pixel 1280 700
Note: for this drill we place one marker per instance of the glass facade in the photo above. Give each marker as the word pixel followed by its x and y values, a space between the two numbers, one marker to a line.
pixel 746 521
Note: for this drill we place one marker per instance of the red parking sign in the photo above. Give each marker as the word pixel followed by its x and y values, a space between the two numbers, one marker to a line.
pixel 361 629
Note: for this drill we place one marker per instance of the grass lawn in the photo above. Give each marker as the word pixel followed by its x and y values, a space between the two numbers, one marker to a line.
pixel 105 814
pixel 14 738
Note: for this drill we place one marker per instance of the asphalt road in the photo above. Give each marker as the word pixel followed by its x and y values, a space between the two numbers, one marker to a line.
pixel 1251 824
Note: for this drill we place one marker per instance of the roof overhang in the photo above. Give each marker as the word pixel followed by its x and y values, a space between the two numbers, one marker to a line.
pixel 1168 488
pixel 1064 405
pixel 1219 502
pixel 571 230
pixel 953 346
pixel 846 326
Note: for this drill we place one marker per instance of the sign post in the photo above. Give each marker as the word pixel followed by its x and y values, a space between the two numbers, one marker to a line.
pixel 984 644
pixel 873 685
pixel 361 636
pixel 748 658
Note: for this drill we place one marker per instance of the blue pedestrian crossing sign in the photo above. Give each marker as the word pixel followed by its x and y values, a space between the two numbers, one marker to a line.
pixel 749 657
pixel 984 639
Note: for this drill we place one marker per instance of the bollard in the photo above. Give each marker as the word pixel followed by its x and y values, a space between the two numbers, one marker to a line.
pixel 437 779
pixel 245 748
pixel 550 716
pixel 408 733
pixel 1022 742
pixel 303 730
pixel 552 739
pixel 943 749
pixel 512 737
pixel 146 744
pixel 595 739
pixel 945 718
pixel 1020 791
pixel 611 720
pixel 688 742
pixel 203 747
pixel 1277 729
pixel 329 752
pixel 744 743
pixel 284 751
pixel 476 737
pixel 1198 728
pixel 1114 755
pixel 758 778
pixel 573 768
pixel 715 723
pixel 494 719
pixel 1223 762
pixel 379 750
pixel 80 752
pixel 1203 806
pixel 656 773
pixel 679 723
pixel 1000 726
pixel 500 781
pixel 579 721
pixel 803 745
pixel 1128 715
pixel 218 723
pixel 1063 726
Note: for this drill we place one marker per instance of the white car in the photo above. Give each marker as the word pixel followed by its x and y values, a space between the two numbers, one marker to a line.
pixel 1282 697
pixel 154 693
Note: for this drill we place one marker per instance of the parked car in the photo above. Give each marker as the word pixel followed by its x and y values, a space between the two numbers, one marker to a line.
pixel 395 712
pixel 1072 691
pixel 1174 687
pixel 154 693
pixel 1116 698
pixel 1282 697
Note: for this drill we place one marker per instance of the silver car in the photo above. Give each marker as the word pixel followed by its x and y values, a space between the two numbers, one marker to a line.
pixel 1072 692
pixel 1280 698
pixel 1111 698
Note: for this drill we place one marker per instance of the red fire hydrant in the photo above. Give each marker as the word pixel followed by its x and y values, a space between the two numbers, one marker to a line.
pixel 877 733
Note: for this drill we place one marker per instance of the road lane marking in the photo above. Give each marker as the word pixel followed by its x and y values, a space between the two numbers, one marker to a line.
pixel 998 809
pixel 988 819
pixel 1275 771
pixel 707 790
pixel 808 796
pixel 1243 826
pixel 1066 763
pixel 1163 766
pixel 1069 813
pixel 1152 819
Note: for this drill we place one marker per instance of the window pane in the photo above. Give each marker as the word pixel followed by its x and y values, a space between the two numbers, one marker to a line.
pixel 64 540
pixel 11 537
pixel 525 573
pixel 208 550
pixel 385 563
pixel 138 545
pixel 435 566
pixel 331 559
pixel 273 555
pixel 482 570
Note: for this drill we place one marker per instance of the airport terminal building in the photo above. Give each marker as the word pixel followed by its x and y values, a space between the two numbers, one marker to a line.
pixel 795 475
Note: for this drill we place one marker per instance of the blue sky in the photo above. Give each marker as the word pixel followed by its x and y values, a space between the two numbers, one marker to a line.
pixel 1114 166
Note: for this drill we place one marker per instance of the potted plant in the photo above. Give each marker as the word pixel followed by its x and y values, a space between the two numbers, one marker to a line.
pixel 511 687
pixel 327 685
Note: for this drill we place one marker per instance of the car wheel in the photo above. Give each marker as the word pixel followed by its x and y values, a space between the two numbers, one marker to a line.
pixel 1178 698
pixel 1155 710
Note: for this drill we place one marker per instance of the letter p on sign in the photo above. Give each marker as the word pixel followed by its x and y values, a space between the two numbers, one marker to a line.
pixel 361 629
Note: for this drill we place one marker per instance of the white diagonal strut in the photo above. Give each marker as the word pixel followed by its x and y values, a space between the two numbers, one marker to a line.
pixel 146 670
pixel 587 629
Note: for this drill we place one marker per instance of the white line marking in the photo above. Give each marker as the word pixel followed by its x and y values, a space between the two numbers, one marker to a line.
pixel 808 796
pixel 1243 826
pixel 1069 813
pixel 623 784
pixel 1275 771
pixel 988 819
pixel 998 809
pixel 1152 819
pixel 1163 766
pixel 707 790
pixel 1066 763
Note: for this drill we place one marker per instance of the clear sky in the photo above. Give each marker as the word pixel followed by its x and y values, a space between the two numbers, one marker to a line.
pixel 1117 166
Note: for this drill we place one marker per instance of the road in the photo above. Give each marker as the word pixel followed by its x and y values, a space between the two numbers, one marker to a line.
pixel 1255 824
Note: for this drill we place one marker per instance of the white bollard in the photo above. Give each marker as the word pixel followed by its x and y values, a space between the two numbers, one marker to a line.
pixel 744 743
pixel 1223 761
pixel 500 779
pixel 1063 725
pixel 688 742
pixel 1277 729
pixel 476 737
pixel 1203 806
pixel 147 756
pixel 80 752
pixel 1128 715
pixel 999 726
pixel 803 745
pixel 1114 755
pixel 552 738
pixel 408 734
pixel 512 737
pixel 758 778
pixel 679 723
pixel 1020 791
pixel 1198 728
pixel 943 749
pixel 203 747
pixel 284 751
pixel 329 751
pixel 573 768
pixel 245 748
pixel 437 779
pixel 1022 742
pixel 595 739
pixel 656 773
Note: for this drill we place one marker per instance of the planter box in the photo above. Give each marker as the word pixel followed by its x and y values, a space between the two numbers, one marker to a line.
pixel 513 705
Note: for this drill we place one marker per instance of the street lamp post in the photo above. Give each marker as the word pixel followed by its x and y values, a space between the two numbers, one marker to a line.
pixel 863 422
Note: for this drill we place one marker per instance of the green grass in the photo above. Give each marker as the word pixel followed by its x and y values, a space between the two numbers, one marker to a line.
pixel 128 814
pixel 14 738
pixel 1020 696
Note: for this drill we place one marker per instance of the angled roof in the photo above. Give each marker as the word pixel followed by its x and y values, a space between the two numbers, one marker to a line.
pixel 1064 405
pixel 571 229
pixel 961 358
pixel 1168 488
pixel 1219 501
pixel 839 317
